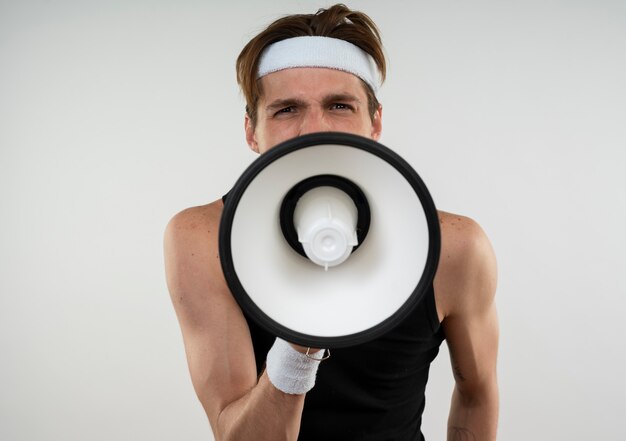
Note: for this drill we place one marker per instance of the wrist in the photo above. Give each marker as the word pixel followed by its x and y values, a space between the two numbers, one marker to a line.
pixel 291 368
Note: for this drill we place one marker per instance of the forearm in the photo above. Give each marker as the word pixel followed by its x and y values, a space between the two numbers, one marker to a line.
pixel 264 413
pixel 474 417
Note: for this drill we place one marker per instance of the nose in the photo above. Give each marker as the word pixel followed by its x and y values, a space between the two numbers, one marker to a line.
pixel 314 121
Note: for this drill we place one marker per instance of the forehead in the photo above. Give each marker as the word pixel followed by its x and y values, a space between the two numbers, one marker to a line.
pixel 310 82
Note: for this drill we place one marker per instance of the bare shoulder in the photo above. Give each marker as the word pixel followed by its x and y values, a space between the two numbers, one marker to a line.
pixel 193 228
pixel 467 273
pixel 191 254
pixel 194 220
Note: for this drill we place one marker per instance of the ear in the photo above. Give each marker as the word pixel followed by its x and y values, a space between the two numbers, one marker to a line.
pixel 377 123
pixel 250 134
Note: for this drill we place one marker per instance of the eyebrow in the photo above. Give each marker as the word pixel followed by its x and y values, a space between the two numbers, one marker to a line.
pixel 282 103
pixel 341 97
pixel 332 98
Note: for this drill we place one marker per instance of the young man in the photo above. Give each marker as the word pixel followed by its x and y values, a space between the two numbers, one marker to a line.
pixel 307 74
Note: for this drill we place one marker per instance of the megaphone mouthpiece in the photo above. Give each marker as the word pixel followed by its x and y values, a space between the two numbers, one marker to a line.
pixel 325 219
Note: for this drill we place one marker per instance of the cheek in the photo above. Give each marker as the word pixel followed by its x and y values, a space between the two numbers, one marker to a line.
pixel 281 131
pixel 271 135
pixel 362 126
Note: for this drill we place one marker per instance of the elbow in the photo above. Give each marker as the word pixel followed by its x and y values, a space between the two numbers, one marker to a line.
pixel 477 395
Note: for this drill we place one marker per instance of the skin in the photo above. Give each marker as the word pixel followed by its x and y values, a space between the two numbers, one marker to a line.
pixel 217 341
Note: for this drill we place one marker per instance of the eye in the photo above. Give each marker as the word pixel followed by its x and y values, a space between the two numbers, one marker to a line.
pixel 341 106
pixel 285 110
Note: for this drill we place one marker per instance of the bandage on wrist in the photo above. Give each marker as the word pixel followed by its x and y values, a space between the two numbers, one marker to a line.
pixel 291 371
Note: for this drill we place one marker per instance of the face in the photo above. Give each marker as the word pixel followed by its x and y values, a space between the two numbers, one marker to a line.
pixel 309 100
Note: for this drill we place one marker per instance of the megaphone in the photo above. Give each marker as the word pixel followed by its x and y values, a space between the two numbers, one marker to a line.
pixel 329 240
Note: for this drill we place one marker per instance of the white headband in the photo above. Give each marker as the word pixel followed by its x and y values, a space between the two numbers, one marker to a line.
pixel 309 51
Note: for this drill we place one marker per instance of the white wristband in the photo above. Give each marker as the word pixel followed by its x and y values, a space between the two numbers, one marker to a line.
pixel 291 371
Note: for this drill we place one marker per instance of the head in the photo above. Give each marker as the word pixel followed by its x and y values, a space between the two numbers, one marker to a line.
pixel 314 98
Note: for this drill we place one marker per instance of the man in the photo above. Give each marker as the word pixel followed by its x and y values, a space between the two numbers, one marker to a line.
pixel 318 73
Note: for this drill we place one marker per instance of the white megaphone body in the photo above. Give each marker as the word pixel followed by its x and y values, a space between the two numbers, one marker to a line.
pixel 329 240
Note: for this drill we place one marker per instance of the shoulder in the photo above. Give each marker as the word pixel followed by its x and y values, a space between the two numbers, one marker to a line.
pixel 462 238
pixel 194 219
pixel 467 273
pixel 191 249
pixel 193 227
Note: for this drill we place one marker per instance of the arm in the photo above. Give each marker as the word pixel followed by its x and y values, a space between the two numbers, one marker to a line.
pixel 217 339
pixel 468 281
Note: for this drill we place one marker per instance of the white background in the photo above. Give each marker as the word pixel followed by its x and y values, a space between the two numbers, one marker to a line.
pixel 116 115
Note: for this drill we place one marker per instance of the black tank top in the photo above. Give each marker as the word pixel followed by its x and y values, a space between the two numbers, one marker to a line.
pixel 373 391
